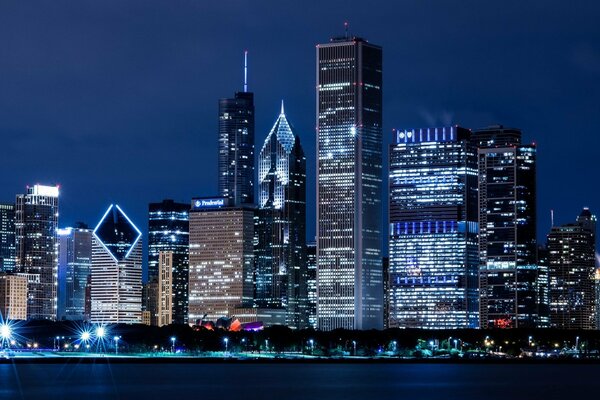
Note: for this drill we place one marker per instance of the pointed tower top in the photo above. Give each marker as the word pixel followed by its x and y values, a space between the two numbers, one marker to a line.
pixel 282 110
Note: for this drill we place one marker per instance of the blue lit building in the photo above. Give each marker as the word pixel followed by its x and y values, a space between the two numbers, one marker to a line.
pixel 349 184
pixel 7 237
pixel 433 229
pixel 74 265
pixel 168 231
pixel 509 280
pixel 281 271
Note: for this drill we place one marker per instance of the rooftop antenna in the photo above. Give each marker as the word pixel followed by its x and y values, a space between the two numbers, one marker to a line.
pixel 552 218
pixel 282 111
pixel 245 70
pixel 346 28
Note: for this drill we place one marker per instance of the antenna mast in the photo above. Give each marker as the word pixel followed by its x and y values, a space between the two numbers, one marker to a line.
pixel 245 70
pixel 346 28
pixel 552 218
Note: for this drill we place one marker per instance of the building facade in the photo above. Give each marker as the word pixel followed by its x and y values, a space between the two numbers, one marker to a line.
pixel 571 272
pixel 36 224
pixel 433 229
pixel 74 266
pixel 349 185
pixel 221 259
pixel 165 288
pixel 508 270
pixel 168 231
pixel 311 266
pixel 281 271
pixel 116 273
pixel 13 297
pixel 236 148
pixel 7 237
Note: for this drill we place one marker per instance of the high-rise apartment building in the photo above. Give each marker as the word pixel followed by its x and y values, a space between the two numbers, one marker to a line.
pixel 7 237
pixel 349 184
pixel 433 229
pixel 311 266
pixel 13 297
pixel 571 271
pixel 236 148
pixel 508 270
pixel 168 231
pixel 165 288
pixel 116 273
pixel 36 224
pixel 281 272
pixel 221 259
pixel 74 265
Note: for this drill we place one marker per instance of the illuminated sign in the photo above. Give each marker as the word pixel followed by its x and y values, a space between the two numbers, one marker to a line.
pixel 217 202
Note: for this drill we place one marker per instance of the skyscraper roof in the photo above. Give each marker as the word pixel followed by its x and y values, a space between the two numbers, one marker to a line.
pixel 283 131
pixel 117 233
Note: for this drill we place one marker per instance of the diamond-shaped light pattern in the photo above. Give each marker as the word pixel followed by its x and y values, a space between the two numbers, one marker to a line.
pixel 117 233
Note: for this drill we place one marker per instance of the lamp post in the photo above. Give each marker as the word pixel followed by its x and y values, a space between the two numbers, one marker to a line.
pixel 354 345
pixel 312 346
pixel 226 340
pixel 173 339
pixel 116 339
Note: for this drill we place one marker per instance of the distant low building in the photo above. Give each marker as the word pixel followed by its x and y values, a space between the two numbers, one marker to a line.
pixel 13 297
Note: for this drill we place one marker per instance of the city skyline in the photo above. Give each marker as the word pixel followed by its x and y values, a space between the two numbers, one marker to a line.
pixel 414 93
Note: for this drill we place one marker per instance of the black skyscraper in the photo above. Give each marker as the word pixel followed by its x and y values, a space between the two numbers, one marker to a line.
pixel 168 230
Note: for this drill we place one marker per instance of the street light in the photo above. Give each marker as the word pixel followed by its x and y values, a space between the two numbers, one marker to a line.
pixel 226 340
pixel 100 332
pixel 173 339
pixel 85 336
pixel 116 339
pixel 312 346
pixel 354 345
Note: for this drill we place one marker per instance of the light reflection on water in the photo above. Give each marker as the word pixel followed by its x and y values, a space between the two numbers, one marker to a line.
pixel 296 381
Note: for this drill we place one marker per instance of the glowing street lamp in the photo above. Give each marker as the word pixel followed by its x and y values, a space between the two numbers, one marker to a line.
pixel 100 332
pixel 173 339
pixel 226 340
pixel 5 332
pixel 85 336
pixel 116 339
pixel 312 346
pixel 354 344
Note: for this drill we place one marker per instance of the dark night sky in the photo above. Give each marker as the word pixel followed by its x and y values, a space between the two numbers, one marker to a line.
pixel 117 100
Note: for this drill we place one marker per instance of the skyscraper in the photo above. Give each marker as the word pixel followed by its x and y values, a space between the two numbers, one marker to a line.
pixel 7 237
pixel 221 259
pixel 116 274
pixel 571 271
pixel 349 184
pixel 281 271
pixel 433 229
pixel 508 270
pixel 165 288
pixel 74 264
pixel 311 264
pixel 168 231
pixel 236 147
pixel 36 223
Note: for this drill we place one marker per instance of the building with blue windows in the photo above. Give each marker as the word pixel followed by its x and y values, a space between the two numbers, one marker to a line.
pixel 168 231
pixel 7 237
pixel 433 229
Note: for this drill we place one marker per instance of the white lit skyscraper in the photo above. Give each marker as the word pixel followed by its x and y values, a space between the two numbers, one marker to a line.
pixel 116 276
pixel 36 223
pixel 349 184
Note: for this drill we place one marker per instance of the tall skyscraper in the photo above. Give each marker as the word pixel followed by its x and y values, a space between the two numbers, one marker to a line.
pixel 36 223
pixel 7 237
pixel 311 264
pixel 281 270
pixel 221 259
pixel 433 229
pixel 236 147
pixel 74 264
pixel 165 288
pixel 168 231
pixel 508 270
pixel 349 184
pixel 571 271
pixel 116 283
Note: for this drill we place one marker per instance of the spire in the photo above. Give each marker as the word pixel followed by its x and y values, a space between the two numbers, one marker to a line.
pixel 282 110
pixel 346 25
pixel 245 70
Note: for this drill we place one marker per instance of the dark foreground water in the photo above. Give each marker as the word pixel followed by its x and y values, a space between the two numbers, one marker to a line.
pixel 298 381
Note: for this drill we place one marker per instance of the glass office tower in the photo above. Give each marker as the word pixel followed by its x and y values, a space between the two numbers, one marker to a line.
pixel 349 184
pixel 168 231
pixel 433 229
pixel 571 272
pixel 74 266
pixel 281 271
pixel 508 270
pixel 236 148
pixel 36 224
pixel 7 237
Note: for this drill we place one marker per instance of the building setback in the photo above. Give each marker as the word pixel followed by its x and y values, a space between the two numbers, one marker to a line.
pixel 433 229
pixel 508 270
pixel 74 266
pixel 281 271
pixel 571 272
pixel 36 223
pixel 349 184
pixel 168 231
pixel 13 297
pixel 221 259
pixel 116 274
